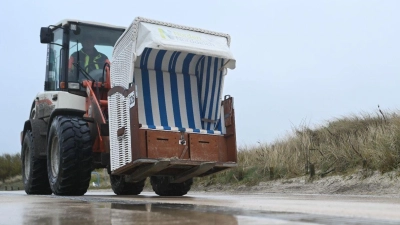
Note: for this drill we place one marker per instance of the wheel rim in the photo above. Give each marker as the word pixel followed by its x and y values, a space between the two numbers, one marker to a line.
pixel 55 153
pixel 27 161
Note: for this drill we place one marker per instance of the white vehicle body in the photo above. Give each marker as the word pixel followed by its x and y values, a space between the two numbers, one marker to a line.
pixel 46 102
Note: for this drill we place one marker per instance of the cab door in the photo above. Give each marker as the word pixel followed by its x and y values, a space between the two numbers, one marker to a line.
pixel 54 59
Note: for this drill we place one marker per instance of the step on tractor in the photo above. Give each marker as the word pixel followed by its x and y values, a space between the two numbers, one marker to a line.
pixel 142 101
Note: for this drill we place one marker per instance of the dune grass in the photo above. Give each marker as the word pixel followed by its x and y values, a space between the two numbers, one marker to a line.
pixel 370 141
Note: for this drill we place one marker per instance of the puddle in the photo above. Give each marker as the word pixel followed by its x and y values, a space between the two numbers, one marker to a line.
pixel 96 210
pixel 77 212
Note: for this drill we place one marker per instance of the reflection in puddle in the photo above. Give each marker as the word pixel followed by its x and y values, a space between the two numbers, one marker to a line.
pixel 164 214
pixel 75 212
pixel 58 213
pixel 22 209
pixel 79 211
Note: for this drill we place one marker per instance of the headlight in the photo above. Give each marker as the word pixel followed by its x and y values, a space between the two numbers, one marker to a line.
pixel 74 85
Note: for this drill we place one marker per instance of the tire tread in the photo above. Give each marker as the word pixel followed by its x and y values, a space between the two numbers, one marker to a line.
pixel 37 183
pixel 163 187
pixel 76 156
pixel 121 187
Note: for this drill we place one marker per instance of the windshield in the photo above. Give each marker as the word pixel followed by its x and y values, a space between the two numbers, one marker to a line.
pixel 90 49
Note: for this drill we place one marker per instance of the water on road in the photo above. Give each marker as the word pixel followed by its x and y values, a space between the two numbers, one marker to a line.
pixel 197 208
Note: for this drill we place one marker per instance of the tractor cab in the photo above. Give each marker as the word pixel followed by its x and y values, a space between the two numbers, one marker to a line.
pixel 78 51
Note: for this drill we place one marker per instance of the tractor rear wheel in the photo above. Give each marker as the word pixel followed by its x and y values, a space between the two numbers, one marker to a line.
pixel 162 186
pixel 121 187
pixel 34 171
pixel 69 156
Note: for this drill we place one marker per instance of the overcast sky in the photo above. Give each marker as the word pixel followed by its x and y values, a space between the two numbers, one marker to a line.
pixel 297 61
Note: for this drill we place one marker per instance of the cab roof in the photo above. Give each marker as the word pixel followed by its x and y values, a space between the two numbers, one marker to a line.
pixel 66 21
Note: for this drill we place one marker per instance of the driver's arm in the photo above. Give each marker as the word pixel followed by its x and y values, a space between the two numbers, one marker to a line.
pixel 71 63
pixel 71 68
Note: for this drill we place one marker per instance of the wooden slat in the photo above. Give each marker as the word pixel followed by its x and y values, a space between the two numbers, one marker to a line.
pixel 204 167
pixel 148 170
pixel 133 165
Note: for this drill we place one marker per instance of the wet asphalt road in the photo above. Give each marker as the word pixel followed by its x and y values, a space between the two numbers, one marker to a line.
pixel 198 208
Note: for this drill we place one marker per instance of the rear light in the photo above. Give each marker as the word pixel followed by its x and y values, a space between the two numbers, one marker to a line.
pixel 62 85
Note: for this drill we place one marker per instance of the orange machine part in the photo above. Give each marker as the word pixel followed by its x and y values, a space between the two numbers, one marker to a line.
pixel 94 109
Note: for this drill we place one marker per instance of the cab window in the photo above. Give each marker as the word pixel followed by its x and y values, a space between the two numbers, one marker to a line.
pixel 89 50
pixel 54 59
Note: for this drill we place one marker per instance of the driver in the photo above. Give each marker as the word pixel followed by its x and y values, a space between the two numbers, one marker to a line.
pixel 89 58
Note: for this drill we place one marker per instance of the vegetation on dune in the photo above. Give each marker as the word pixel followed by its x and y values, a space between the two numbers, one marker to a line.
pixel 10 166
pixel 368 141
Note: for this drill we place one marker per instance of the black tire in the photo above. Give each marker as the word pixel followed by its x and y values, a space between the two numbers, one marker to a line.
pixel 34 170
pixel 121 187
pixel 162 186
pixel 69 156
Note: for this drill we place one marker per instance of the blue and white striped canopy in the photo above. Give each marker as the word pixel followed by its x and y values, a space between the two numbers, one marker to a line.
pixel 179 91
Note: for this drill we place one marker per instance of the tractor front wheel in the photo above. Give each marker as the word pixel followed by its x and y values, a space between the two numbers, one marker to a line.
pixel 69 156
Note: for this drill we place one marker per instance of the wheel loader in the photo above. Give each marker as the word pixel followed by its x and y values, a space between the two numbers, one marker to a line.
pixel 152 107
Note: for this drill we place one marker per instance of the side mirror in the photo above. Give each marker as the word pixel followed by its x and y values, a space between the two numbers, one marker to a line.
pixel 46 35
